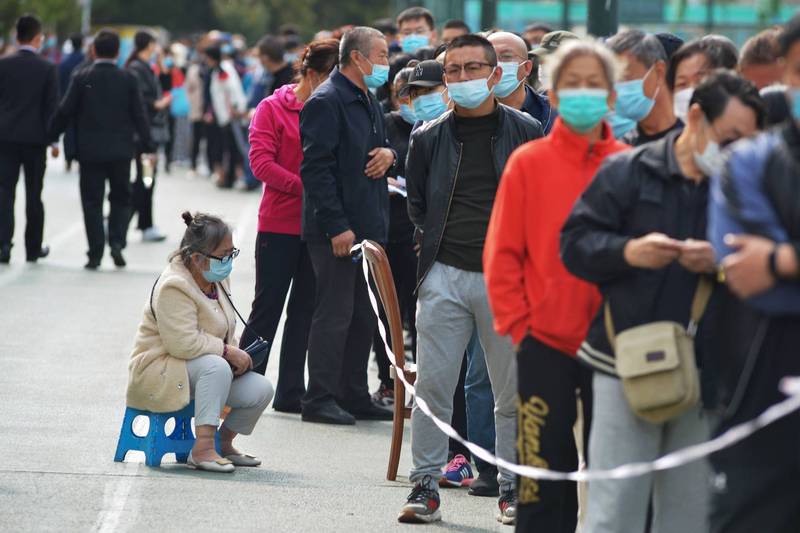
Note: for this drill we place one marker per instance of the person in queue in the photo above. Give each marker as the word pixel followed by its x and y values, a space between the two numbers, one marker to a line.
pixel 426 91
pixel 544 309
pixel 639 233
pixel 282 258
pixel 186 348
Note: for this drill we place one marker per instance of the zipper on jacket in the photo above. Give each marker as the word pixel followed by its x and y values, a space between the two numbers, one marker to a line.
pixel 446 214
pixel 497 172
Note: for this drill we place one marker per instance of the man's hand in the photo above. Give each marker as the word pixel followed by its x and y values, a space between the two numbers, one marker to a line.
pixel 697 256
pixel 239 360
pixel 652 251
pixel 747 270
pixel 163 102
pixel 382 159
pixel 54 151
pixel 342 243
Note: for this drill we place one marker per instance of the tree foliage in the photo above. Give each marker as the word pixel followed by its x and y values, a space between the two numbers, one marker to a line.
pixel 61 16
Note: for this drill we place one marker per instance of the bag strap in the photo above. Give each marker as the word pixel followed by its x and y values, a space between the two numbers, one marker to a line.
pixel 244 322
pixel 153 290
pixel 702 295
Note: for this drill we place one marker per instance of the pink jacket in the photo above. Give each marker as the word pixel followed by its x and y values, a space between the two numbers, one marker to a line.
pixel 275 157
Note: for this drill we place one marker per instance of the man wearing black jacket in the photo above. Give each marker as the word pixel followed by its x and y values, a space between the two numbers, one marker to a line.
pixel 345 200
pixel 28 98
pixel 106 106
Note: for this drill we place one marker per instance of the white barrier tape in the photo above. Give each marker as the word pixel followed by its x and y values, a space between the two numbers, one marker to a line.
pixel 789 386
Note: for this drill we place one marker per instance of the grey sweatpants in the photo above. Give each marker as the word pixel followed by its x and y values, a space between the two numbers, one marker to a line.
pixel 680 495
pixel 452 302
pixel 213 386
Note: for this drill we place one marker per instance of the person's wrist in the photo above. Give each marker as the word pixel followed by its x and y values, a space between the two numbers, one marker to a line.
pixel 785 259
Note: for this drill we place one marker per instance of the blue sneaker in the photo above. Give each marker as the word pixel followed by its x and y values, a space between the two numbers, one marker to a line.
pixel 457 473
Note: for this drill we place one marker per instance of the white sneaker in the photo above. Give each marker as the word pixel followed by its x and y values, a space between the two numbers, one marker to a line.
pixel 152 234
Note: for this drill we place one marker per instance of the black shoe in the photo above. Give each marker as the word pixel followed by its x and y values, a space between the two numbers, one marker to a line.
pixel 5 254
pixel 116 255
pixel 486 483
pixel 327 413
pixel 373 412
pixel 44 251
pixel 93 264
pixel 290 408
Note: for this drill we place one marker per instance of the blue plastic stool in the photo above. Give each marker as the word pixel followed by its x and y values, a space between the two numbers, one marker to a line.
pixel 157 443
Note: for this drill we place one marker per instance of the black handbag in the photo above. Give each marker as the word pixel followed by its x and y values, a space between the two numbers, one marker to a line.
pixel 258 350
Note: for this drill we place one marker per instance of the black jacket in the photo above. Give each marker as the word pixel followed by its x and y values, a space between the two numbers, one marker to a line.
pixel 150 87
pixel 401 230
pixel 634 193
pixel 339 125
pixel 28 98
pixel 106 107
pixel 432 166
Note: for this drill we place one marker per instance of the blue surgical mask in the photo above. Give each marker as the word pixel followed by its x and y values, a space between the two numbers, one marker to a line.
pixel 291 58
pixel 509 82
pixel 794 102
pixel 429 106
pixel 619 124
pixel 469 94
pixel 631 100
pixel 408 114
pixel 582 109
pixel 412 43
pixel 168 62
pixel 378 76
pixel 217 270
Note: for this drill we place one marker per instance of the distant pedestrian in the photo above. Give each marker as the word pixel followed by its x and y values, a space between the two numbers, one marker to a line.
pixel 106 122
pixel 68 65
pixel 156 104
pixel 28 99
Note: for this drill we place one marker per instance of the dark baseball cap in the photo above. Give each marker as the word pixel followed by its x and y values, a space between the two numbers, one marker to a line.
pixel 551 42
pixel 426 73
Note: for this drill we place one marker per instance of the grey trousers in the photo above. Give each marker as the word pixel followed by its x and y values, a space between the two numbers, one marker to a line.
pixel 680 495
pixel 213 386
pixel 451 304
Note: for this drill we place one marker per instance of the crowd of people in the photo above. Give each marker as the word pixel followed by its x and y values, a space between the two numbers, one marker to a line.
pixel 579 230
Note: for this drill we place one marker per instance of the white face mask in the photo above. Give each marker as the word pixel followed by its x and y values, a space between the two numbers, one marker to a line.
pixel 680 103
pixel 711 160
pixel 543 79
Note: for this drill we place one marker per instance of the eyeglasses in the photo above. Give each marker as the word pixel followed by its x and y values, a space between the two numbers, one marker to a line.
pixel 225 259
pixel 472 68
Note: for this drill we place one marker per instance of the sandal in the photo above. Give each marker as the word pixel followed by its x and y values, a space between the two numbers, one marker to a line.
pixel 224 466
pixel 243 459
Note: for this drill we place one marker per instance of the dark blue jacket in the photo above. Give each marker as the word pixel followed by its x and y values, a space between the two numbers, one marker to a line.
pixel 538 106
pixel 339 125
pixel 66 67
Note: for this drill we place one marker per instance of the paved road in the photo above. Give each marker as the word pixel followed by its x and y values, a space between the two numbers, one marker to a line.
pixel 65 342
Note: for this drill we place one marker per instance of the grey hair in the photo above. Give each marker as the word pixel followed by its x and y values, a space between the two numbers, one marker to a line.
pixel 360 39
pixel 203 234
pixel 645 47
pixel 574 48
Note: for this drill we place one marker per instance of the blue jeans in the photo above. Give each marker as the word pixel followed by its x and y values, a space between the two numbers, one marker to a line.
pixel 479 398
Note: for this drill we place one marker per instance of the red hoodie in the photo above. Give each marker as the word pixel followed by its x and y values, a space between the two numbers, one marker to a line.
pixel 275 157
pixel 530 291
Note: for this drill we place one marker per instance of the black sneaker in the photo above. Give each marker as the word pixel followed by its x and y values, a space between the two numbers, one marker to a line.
pixel 116 255
pixel 486 483
pixel 508 508
pixel 422 505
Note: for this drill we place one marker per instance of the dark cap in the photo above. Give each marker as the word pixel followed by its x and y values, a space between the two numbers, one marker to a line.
pixel 426 73
pixel 670 42
pixel 551 42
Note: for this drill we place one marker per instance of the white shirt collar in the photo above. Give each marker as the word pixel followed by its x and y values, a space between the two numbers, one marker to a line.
pixel 29 48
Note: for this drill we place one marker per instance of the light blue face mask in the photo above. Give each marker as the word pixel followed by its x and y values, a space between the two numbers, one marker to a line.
pixel 291 58
pixel 378 76
pixel 217 270
pixel 631 100
pixel 582 109
pixel 408 114
pixel 429 106
pixel 619 124
pixel 509 82
pixel 168 62
pixel 412 43
pixel 470 94
pixel 794 103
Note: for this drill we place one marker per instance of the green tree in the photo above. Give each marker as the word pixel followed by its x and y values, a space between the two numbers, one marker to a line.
pixel 61 16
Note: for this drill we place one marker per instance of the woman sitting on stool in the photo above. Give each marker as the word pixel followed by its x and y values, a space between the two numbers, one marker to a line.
pixel 186 347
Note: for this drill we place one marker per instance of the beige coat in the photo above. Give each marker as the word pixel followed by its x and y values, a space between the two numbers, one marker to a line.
pixel 187 324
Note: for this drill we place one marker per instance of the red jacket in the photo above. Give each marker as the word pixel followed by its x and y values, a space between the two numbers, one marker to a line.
pixel 275 157
pixel 530 291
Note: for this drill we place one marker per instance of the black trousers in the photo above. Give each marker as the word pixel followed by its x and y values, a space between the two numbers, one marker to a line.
pixel 33 160
pixel 142 196
pixel 403 260
pixel 755 484
pixel 282 260
pixel 93 176
pixel 549 383
pixel 215 144
pixel 198 134
pixel 233 158
pixel 341 332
